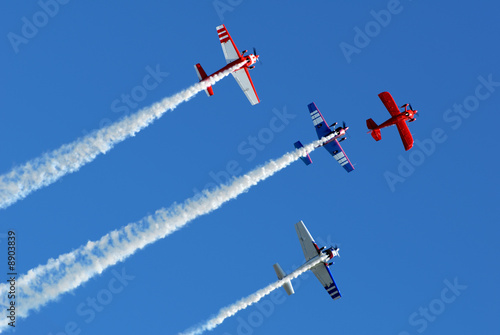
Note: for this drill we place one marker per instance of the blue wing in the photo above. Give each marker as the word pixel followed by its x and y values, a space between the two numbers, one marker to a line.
pixel 322 128
pixel 334 148
pixel 322 272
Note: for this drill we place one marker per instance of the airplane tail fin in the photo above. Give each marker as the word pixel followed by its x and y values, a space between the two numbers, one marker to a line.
pixel 202 75
pixel 375 132
pixel 371 124
pixel 307 159
pixel 281 274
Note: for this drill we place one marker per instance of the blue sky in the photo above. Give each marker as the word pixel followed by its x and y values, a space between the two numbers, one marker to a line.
pixel 401 242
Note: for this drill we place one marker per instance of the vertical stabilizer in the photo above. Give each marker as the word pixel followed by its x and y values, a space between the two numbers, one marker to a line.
pixel 201 76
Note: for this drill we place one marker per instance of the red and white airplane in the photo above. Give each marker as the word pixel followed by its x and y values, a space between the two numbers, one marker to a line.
pixel 398 118
pixel 234 57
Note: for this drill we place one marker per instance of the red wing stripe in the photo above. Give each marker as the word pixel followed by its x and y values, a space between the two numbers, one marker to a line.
pixel 221 30
pixel 224 40
pixel 223 35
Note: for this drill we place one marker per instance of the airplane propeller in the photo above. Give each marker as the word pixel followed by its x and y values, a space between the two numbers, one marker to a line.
pixel 255 54
pixel 411 109
pixel 336 248
pixel 415 114
pixel 344 126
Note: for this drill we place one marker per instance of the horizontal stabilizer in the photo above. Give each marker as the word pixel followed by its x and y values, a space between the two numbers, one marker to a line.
pixel 374 131
pixel 281 274
pixel 202 75
pixel 307 159
pixel 376 134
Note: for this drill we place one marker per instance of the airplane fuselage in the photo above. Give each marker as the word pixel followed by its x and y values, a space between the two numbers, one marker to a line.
pixel 403 116
pixel 339 132
pixel 244 61
pixel 322 257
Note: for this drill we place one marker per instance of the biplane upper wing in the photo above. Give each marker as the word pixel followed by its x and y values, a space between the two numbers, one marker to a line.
pixel 230 50
pixel 389 103
pixel 322 272
pixel 243 78
pixel 405 134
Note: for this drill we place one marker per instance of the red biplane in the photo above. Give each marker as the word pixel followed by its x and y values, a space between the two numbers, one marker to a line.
pixel 398 118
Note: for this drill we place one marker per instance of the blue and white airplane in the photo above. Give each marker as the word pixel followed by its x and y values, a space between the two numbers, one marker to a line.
pixel 332 146
pixel 312 254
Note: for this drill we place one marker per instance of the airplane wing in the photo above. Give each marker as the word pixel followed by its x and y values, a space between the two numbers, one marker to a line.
pixel 322 128
pixel 322 272
pixel 389 103
pixel 230 50
pixel 243 78
pixel 334 148
pixel 405 134
pixel 306 241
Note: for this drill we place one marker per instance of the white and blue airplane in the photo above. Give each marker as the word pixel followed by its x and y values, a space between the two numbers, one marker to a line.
pixel 333 145
pixel 312 254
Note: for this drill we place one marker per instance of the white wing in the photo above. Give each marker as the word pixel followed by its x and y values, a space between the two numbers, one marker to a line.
pixel 243 78
pixel 322 272
pixel 306 241
pixel 230 50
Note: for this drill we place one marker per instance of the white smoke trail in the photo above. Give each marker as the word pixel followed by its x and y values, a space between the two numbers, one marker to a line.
pixel 51 166
pixel 47 282
pixel 231 310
